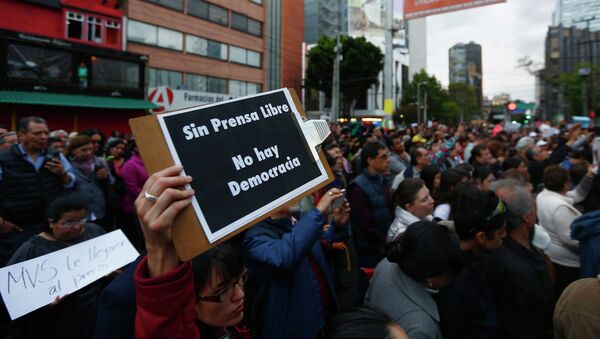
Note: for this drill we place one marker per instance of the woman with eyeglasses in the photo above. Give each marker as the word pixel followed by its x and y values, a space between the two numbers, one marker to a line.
pixel 70 316
pixel 203 298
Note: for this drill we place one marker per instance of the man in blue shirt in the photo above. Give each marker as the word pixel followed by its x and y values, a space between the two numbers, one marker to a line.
pixel 31 175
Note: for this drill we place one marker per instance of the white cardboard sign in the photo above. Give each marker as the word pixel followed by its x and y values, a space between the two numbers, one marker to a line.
pixel 31 284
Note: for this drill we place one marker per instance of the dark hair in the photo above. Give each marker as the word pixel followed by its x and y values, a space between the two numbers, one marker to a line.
pixel 466 170
pixel 370 151
pixel 407 191
pixel 415 155
pixel 52 140
pixel 115 143
pixel 512 162
pixel 90 132
pixel 555 177
pixel 474 212
pixel 224 260
pixel 428 174
pixel 450 179
pixel 359 322
pixel 64 204
pixel 477 150
pixel 76 142
pixel 481 172
pixel 331 146
pixel 578 171
pixel 424 250
pixel 23 124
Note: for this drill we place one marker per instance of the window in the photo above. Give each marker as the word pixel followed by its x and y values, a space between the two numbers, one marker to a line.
pixel 141 32
pixel 218 15
pixel 216 85
pixel 245 24
pixel 238 55
pixel 217 50
pixel 113 32
pixel 115 73
pixel 174 4
pixel 196 82
pixel 74 25
pixel 161 77
pixel 241 88
pixel 205 10
pixel 254 59
pixel 244 56
pixel 28 62
pixel 170 39
pixel 196 45
pixel 152 35
pixel 94 29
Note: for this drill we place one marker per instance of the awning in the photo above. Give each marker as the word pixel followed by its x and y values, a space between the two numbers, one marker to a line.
pixel 54 99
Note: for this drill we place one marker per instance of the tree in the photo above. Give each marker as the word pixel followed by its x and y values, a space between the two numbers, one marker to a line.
pixel 436 98
pixel 359 68
pixel 465 98
pixel 571 85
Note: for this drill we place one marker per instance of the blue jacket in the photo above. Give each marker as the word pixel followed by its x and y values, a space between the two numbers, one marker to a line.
pixel 586 229
pixel 286 297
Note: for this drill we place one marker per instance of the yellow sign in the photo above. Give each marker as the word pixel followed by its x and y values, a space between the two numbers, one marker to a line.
pixel 388 106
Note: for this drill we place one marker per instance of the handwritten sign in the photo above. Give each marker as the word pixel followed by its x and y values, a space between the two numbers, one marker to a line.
pixel 247 156
pixel 35 283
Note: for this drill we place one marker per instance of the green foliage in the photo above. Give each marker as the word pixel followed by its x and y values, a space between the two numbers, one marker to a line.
pixel 466 99
pixel 571 85
pixel 361 63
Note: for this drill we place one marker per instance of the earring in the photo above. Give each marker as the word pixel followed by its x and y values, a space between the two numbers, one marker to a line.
pixel 429 284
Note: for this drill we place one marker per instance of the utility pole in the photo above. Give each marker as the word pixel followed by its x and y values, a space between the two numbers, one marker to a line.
pixel 425 108
pixel 335 93
pixel 419 102
pixel 388 92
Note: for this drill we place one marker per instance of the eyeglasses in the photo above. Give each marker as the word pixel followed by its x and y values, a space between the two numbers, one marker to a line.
pixel 220 296
pixel 70 224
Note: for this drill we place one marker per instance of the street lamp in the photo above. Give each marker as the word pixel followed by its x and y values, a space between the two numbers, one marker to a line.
pixel 419 102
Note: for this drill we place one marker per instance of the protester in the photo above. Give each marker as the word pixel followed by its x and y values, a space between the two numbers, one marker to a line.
pixel 183 300
pixel 586 230
pixel 8 140
pixel 556 212
pixel 364 323
pixel 98 140
pixel 371 217
pixel 518 272
pixel 466 305
pixel 413 203
pixel 134 175
pixel 445 198
pixel 72 315
pixel 483 177
pixel 30 177
pixel 94 179
pixel 432 177
pixel 399 158
pixel 419 158
pixel 290 278
pixel 576 314
pixel 418 264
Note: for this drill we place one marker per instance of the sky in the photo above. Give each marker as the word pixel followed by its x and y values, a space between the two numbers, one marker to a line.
pixel 506 32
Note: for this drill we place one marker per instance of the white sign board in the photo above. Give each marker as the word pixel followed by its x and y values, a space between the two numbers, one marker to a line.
pixel 169 99
pixel 35 283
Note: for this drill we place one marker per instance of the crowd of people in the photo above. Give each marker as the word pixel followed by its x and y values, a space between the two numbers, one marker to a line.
pixel 468 231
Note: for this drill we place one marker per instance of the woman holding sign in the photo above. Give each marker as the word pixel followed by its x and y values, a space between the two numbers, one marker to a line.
pixel 71 316
pixel 183 300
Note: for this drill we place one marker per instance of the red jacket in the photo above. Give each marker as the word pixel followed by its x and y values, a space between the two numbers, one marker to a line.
pixel 166 304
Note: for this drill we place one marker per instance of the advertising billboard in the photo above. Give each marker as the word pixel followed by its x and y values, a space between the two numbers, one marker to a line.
pixel 420 8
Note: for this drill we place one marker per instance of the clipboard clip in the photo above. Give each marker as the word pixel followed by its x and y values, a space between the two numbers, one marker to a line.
pixel 316 131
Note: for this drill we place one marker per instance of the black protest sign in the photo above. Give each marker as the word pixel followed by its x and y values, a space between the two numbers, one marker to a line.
pixel 246 156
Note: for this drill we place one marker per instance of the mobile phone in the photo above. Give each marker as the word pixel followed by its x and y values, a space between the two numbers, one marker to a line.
pixel 51 156
pixel 339 201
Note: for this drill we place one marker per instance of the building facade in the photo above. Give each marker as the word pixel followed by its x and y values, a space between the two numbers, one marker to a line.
pixel 465 67
pixel 218 47
pixel 566 50
pixel 324 18
pixel 577 13
pixel 63 60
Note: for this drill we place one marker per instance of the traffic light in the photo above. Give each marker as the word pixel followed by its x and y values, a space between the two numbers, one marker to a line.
pixel 511 106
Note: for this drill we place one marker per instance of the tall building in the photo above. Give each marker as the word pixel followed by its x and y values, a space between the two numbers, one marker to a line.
pixel 417 46
pixel 578 13
pixel 324 17
pixel 465 67
pixel 206 51
pixel 64 61
pixel 565 49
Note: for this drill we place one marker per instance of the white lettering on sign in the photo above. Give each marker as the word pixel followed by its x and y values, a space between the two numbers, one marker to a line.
pixel 31 284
